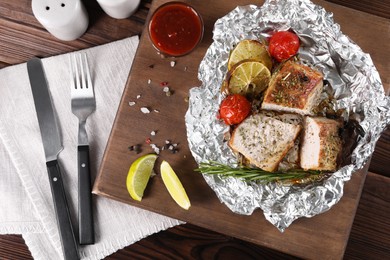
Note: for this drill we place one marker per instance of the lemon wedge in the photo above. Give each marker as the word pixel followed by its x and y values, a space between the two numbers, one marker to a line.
pixel 250 50
pixel 139 175
pixel 174 186
pixel 248 78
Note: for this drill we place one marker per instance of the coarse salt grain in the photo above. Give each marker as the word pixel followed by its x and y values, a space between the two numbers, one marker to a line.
pixel 145 110
pixel 173 63
pixel 166 89
pixel 138 96
pixel 156 111
pixel 131 103
pixel 153 133
pixel 149 81
pixel 155 148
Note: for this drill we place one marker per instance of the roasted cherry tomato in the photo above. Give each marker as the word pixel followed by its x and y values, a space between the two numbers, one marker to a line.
pixel 283 45
pixel 234 109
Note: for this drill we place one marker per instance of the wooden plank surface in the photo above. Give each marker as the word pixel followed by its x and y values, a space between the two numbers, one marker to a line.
pixel 18 43
pixel 305 238
pixel 369 237
pixel 21 34
pixel 379 8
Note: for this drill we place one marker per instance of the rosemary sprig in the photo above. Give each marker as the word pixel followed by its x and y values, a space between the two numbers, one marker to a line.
pixel 257 174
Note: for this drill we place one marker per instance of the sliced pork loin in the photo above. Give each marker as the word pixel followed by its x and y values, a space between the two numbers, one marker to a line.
pixel 321 144
pixel 295 88
pixel 264 140
pixel 291 159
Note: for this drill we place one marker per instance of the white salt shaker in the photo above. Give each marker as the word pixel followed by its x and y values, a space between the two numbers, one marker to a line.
pixel 119 9
pixel 65 19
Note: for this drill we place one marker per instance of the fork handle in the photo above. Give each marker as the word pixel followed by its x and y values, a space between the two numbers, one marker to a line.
pixel 86 229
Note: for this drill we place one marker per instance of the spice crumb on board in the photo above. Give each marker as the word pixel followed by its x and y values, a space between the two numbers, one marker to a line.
pixel 145 110
pixel 168 146
pixel 136 148
pixel 172 147
pixel 155 148
pixel 168 92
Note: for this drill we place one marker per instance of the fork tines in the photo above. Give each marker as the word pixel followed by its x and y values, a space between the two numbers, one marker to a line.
pixel 81 76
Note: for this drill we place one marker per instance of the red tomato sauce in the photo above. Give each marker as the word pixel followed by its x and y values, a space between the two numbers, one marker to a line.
pixel 175 29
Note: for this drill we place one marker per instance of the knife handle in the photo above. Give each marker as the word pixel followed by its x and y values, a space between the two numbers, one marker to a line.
pixel 86 229
pixel 64 222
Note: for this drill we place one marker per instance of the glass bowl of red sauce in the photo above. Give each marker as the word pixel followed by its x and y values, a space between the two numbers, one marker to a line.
pixel 175 29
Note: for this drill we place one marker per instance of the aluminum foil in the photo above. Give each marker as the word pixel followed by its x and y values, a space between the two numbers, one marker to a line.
pixel 353 80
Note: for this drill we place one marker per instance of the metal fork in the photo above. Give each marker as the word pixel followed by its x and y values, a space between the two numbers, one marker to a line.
pixel 83 104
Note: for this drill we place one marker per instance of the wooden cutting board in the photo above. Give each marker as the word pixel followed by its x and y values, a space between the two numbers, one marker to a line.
pixel 325 235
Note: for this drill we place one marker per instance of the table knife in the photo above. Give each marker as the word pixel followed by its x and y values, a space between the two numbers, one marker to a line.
pixel 52 146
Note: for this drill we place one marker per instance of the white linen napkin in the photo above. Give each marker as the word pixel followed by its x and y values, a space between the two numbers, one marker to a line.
pixel 25 196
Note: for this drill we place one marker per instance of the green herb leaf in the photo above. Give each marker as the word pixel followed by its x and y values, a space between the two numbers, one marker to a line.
pixel 259 175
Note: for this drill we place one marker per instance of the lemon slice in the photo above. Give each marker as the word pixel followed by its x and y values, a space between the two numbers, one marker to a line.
pixel 250 50
pixel 139 174
pixel 174 186
pixel 248 78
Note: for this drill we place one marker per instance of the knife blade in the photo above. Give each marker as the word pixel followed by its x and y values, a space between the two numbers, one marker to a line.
pixel 52 145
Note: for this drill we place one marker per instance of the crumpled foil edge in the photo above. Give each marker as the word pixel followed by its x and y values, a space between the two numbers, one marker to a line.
pixel 355 84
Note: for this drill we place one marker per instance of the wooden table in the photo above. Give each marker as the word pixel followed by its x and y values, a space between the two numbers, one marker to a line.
pixel 21 38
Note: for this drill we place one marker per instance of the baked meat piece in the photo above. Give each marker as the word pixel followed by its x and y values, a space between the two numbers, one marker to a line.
pixel 321 144
pixel 296 88
pixel 264 140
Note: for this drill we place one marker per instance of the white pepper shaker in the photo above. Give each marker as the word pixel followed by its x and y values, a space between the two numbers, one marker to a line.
pixel 65 19
pixel 119 9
